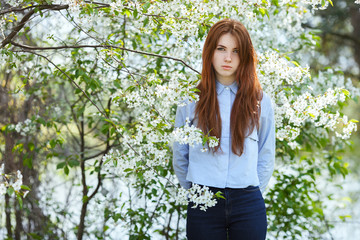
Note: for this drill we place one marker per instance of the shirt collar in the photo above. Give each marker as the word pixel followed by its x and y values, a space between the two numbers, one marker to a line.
pixel 220 87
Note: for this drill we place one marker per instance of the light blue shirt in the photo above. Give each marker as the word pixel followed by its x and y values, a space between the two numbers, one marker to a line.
pixel 225 169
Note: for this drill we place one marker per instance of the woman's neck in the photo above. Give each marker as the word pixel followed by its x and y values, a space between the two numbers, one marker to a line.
pixel 226 81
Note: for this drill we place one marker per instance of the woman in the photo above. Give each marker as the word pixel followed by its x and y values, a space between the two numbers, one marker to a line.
pixel 243 162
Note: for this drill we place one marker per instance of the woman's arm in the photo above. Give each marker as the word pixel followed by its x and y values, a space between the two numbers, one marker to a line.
pixel 266 158
pixel 181 151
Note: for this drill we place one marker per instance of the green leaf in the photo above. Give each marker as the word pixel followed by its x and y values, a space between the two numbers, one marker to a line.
pixel 73 162
pixel 264 12
pixel 52 143
pixel 42 121
pixel 35 236
pixel 112 131
pixel 130 89
pixel 31 146
pixel 10 191
pixel 275 2
pixel 127 12
pixel 28 162
pixel 219 194
pixel 344 217
pixel 135 13
pixel 146 21
pixel 204 140
pixel 66 170
pixel 195 90
pixel 20 201
pixel 105 129
pixel 146 6
pixel 296 63
pixel 24 187
pixel 346 92
pixel 19 147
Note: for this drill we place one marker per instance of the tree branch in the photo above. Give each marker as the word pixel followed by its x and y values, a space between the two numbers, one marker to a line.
pixel 27 16
pixel 8 39
pixel 45 6
pixel 100 153
pixel 341 35
pixel 107 47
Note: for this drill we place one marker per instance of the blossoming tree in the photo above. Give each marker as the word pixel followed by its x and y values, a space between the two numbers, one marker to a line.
pixel 129 64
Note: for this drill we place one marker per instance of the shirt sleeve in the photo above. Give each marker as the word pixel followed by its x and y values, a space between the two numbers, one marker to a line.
pixel 266 159
pixel 181 151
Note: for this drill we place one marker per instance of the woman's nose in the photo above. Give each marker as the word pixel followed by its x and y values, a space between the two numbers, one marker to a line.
pixel 228 57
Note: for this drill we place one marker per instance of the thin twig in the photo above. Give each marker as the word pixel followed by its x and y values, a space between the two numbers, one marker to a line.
pixel 103 46
pixel 130 9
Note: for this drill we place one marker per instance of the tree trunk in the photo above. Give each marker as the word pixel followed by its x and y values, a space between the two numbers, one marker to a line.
pixel 8 216
pixel 18 217
pixel 85 201
pixel 355 22
pixel 8 167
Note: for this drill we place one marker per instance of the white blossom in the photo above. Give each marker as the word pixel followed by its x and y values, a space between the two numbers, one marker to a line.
pixel 18 182
pixel 7 180
pixel 202 197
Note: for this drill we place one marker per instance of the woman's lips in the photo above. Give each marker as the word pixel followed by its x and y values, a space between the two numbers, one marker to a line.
pixel 226 67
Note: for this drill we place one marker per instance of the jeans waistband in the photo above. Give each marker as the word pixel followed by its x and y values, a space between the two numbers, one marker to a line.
pixel 248 188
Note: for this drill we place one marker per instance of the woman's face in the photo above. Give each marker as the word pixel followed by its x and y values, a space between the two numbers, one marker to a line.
pixel 226 59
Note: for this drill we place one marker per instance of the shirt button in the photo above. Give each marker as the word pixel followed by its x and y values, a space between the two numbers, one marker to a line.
pixel 227 88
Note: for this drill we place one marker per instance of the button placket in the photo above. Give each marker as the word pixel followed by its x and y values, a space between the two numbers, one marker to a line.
pixel 227 101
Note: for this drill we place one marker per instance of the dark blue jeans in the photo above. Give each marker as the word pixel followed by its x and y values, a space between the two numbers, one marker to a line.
pixel 241 216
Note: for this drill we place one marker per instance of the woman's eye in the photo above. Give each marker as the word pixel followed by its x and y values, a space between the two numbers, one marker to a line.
pixel 236 51
pixel 220 49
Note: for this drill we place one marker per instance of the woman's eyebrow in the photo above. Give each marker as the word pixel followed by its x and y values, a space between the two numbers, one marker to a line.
pixel 219 45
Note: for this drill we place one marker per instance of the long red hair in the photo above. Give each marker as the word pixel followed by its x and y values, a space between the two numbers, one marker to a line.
pixel 246 109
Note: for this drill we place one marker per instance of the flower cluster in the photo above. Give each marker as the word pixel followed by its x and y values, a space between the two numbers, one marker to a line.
pixel 349 126
pixel 275 72
pixel 188 134
pixel 14 3
pixel 2 28
pixel 330 79
pixel 200 196
pixel 24 128
pixel 11 181
pixel 314 109
pixel 281 78
pixel 74 5
pixel 317 4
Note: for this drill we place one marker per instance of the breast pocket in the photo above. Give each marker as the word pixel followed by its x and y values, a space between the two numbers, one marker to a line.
pixel 251 143
pixel 254 136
